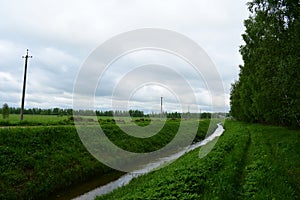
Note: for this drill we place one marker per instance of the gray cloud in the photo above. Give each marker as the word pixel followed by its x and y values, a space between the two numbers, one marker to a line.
pixel 61 35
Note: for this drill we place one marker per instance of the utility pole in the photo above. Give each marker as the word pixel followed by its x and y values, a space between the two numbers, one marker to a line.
pixel 161 110
pixel 24 84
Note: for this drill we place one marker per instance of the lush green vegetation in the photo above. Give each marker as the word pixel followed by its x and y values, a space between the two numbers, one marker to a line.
pixel 5 111
pixel 249 161
pixel 35 120
pixel 268 87
pixel 39 161
pixel 159 140
pixel 39 111
pixel 47 120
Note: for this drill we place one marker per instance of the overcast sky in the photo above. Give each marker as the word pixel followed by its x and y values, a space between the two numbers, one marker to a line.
pixel 60 35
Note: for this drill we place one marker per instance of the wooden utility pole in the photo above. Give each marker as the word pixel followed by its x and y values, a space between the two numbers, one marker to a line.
pixel 161 110
pixel 24 84
pixel 161 107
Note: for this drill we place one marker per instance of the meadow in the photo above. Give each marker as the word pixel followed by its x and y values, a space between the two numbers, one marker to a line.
pixel 39 161
pixel 35 120
pixel 249 161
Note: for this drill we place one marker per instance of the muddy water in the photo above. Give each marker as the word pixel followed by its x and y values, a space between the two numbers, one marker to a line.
pixel 125 179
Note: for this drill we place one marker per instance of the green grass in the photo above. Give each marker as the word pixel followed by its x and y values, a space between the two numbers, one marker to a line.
pixel 34 162
pixel 39 161
pixel 159 140
pixel 249 161
pixel 48 120
pixel 273 164
pixel 34 120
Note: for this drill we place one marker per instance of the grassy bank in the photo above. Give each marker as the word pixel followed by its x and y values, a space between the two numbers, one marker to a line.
pixel 249 161
pixel 37 162
pixel 36 120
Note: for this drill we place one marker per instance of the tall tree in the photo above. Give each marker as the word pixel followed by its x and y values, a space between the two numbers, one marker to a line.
pixel 268 87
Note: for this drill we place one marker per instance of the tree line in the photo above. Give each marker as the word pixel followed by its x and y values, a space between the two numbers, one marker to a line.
pixel 268 88
pixel 121 113
pixel 37 111
pixel 6 110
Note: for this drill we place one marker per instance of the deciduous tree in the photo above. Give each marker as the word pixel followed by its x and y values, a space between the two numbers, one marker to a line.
pixel 268 89
pixel 5 111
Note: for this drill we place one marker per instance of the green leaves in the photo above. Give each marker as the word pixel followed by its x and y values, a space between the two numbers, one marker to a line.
pixel 271 65
pixel 5 111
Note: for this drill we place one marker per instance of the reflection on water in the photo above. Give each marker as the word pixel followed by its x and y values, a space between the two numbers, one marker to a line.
pixel 82 188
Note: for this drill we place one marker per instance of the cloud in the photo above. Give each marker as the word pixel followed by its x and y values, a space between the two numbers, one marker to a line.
pixel 8 82
pixel 62 34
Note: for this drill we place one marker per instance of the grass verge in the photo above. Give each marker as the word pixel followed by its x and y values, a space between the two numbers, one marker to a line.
pixel 249 161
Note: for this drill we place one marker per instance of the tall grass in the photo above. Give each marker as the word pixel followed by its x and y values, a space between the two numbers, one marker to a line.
pixel 38 162
pixel 35 120
pixel 249 161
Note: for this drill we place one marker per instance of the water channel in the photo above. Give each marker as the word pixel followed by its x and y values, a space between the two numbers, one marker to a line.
pixel 125 179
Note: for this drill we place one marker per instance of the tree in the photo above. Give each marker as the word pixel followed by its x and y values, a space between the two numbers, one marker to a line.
pixel 268 87
pixel 5 111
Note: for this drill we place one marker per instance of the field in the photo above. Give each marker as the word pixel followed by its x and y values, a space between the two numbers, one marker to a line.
pixel 249 161
pixel 34 120
pixel 37 162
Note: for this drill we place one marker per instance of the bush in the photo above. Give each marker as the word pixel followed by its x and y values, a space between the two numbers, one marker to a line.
pixel 5 111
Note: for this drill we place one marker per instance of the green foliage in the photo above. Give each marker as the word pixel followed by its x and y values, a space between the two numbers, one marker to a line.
pixel 5 111
pixel 39 161
pixel 248 162
pixel 142 121
pixel 45 120
pixel 36 120
pixel 35 162
pixel 39 111
pixel 273 161
pixel 268 87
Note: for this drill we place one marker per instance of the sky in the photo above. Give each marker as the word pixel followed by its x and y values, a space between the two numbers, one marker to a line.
pixel 61 35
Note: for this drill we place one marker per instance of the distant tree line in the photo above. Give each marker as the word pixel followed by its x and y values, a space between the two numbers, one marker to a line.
pixel 6 110
pixel 204 115
pixel 174 115
pixel 39 111
pixel 268 89
pixel 121 113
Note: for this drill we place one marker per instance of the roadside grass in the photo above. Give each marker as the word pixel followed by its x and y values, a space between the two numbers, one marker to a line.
pixel 36 163
pixel 249 161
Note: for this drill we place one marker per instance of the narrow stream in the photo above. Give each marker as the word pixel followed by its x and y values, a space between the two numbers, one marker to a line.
pixel 125 179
